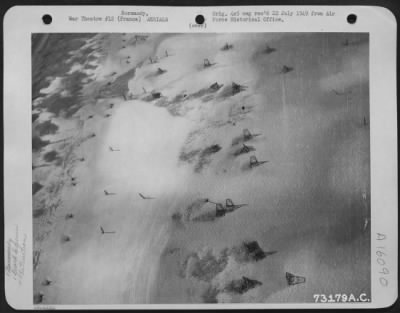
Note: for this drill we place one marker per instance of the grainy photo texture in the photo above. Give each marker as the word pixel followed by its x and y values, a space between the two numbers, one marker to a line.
pixel 200 168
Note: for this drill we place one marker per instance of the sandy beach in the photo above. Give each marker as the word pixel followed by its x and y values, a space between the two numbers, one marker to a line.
pixel 145 145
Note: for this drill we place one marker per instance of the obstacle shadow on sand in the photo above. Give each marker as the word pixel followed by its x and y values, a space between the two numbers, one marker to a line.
pixel 231 90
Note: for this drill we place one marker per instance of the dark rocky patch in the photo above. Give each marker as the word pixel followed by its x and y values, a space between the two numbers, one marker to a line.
pixel 188 156
pixel 177 216
pixel 119 87
pixel 35 116
pixel 204 267
pixel 50 156
pixel 60 105
pixel 46 128
pixel 47 51
pixel 38 143
pixel 91 57
pixel 66 105
pixel 36 187
pixel 39 212
pixel 38 298
pixel 204 157
pixel 210 295
pixel 242 285
pixel 207 267
pixel 89 66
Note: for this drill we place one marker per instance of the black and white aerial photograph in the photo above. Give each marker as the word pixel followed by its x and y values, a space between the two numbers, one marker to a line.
pixel 198 168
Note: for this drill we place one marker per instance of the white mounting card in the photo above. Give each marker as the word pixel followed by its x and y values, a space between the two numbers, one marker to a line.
pixel 200 157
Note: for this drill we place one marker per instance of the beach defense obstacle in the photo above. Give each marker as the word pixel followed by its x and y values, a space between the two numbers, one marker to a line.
pixel 207 63
pixel 366 223
pixel 38 298
pixel 339 93
pixel 227 47
pixel 103 232
pixel 231 206
pixel 107 193
pixel 153 60
pixel 254 162
pixel 244 149
pixel 66 238
pixel 144 197
pixel 47 282
pixel 219 210
pixel 229 203
pixel 156 95
pixel 294 279
pixel 141 37
pixel 247 135
pixel 160 71
pixel 236 88
pixel 286 69
pixel 254 251
pixel 269 49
